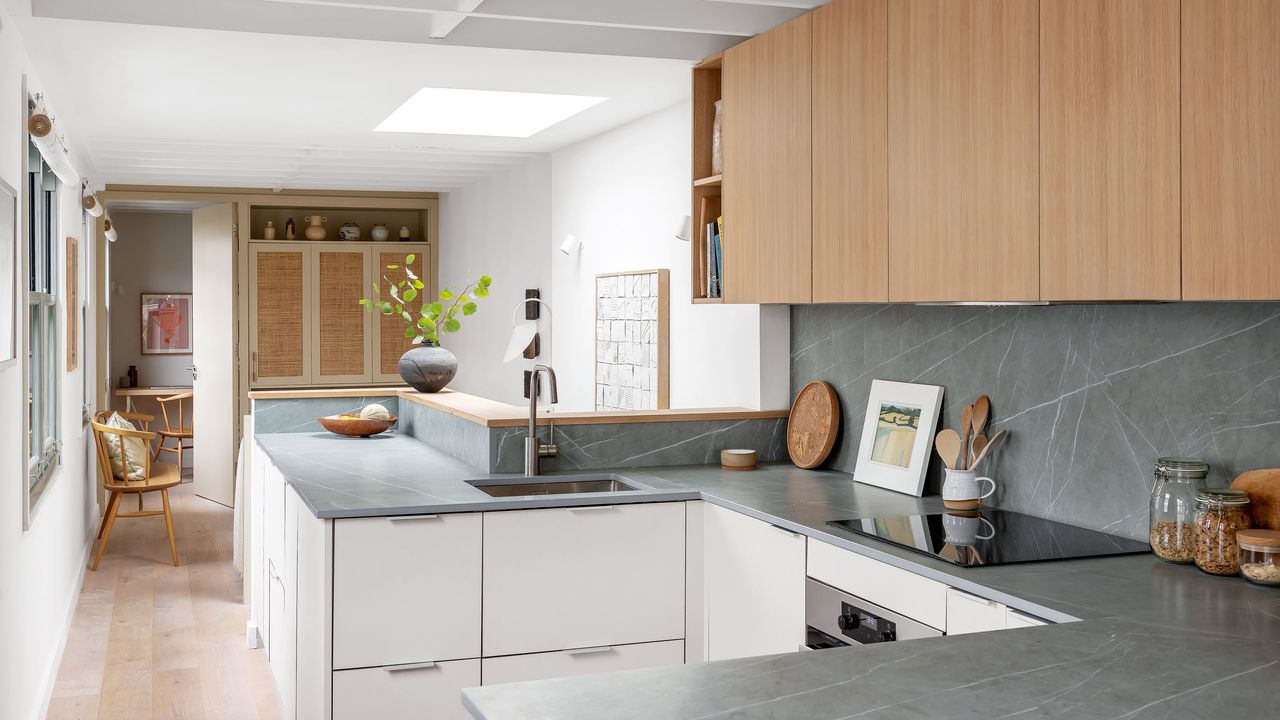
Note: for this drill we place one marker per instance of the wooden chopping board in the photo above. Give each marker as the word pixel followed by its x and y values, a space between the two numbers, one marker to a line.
pixel 1263 487
pixel 813 424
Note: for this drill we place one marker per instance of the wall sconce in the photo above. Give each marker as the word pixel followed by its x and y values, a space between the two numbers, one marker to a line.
pixel 89 201
pixel 684 229
pixel 571 245
pixel 108 231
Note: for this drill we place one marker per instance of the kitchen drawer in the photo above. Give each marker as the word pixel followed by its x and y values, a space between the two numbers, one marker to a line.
pixel 1015 619
pixel 971 614
pixel 903 592
pixel 406 589
pixel 582 661
pixel 566 578
pixel 409 692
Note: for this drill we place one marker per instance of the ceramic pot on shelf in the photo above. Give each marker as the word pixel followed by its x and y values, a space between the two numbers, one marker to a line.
pixel 269 232
pixel 290 230
pixel 428 368
pixel 315 227
pixel 404 233
pixel 349 232
pixel 379 233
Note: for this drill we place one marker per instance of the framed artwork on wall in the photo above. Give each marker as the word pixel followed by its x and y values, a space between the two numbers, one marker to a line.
pixel 73 304
pixel 897 434
pixel 8 275
pixel 633 330
pixel 166 324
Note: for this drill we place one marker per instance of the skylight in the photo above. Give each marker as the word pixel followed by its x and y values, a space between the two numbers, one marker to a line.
pixel 448 111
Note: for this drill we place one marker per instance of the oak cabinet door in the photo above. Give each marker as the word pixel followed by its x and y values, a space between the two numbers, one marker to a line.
pixel 279 315
pixel 850 152
pixel 342 351
pixel 767 198
pixel 1230 150
pixel 963 150
pixel 389 342
pixel 1109 150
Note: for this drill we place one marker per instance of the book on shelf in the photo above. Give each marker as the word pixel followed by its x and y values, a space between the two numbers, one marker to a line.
pixel 704 289
pixel 713 275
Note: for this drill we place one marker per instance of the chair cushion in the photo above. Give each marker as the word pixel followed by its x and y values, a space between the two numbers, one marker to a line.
pixel 128 458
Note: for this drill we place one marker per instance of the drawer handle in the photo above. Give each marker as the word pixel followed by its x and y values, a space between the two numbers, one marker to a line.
pixel 975 599
pixel 593 508
pixel 784 531
pixel 411 518
pixel 590 650
pixel 410 667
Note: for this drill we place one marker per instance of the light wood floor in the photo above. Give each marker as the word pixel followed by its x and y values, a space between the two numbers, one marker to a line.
pixel 150 640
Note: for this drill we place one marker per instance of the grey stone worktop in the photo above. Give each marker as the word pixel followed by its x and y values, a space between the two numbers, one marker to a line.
pixel 1157 640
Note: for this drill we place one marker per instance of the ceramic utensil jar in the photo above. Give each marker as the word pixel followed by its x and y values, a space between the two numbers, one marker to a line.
pixel 1173 498
pixel 962 489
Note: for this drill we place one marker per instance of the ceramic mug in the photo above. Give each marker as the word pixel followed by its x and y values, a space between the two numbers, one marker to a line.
pixel 963 529
pixel 961 489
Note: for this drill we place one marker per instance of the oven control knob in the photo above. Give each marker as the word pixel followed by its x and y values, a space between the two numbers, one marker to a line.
pixel 848 621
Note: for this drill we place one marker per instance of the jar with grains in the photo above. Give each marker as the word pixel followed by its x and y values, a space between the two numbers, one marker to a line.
pixel 1221 513
pixel 1173 497
pixel 1260 556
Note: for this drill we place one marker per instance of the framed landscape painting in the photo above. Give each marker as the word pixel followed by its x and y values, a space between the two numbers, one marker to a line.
pixel 897 434
pixel 166 323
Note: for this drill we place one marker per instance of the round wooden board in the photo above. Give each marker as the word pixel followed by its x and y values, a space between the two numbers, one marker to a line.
pixel 813 424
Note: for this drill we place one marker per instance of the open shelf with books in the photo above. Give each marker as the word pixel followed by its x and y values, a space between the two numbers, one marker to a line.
pixel 707 225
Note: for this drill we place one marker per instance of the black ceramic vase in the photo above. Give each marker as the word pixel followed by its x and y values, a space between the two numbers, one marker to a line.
pixel 428 368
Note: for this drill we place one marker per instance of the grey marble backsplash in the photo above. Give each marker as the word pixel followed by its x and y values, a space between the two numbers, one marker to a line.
pixel 287 415
pixel 1091 394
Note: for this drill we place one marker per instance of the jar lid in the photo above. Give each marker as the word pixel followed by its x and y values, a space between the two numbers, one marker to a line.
pixel 1182 466
pixel 1258 539
pixel 1223 496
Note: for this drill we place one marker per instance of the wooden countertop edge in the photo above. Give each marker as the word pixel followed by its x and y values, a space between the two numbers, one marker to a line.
pixel 389 391
pixel 490 413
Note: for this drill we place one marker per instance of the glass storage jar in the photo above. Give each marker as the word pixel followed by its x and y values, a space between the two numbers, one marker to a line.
pixel 1173 507
pixel 1221 513
pixel 1260 556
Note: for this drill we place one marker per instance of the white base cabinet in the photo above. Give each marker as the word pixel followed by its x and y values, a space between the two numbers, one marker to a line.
pixel 971 614
pixel 565 578
pixel 901 591
pixel 754 574
pixel 581 661
pixel 411 692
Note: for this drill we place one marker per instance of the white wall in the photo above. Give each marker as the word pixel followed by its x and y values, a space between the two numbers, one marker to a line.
pixel 499 227
pixel 623 193
pixel 39 568
pixel 152 255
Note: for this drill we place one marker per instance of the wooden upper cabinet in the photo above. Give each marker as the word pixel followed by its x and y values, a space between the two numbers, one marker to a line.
pixel 1109 150
pixel 963 141
pixel 850 152
pixel 1231 150
pixel 767 200
pixel 279 315
pixel 342 347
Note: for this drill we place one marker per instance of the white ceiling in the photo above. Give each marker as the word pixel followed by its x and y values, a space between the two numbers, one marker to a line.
pixel 286 93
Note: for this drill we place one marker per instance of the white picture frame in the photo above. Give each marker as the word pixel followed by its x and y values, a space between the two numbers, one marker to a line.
pixel 8 276
pixel 897 435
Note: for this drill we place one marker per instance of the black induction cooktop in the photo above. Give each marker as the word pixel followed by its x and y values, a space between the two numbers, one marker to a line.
pixel 990 537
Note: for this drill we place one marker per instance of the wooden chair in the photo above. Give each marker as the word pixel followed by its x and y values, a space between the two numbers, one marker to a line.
pixel 181 432
pixel 159 477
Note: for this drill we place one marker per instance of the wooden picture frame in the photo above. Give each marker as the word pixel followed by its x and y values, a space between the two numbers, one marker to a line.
pixel 8 275
pixel 73 304
pixel 166 324
pixel 632 340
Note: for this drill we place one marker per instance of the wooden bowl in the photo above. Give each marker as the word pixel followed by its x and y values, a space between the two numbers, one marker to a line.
pixel 738 459
pixel 355 427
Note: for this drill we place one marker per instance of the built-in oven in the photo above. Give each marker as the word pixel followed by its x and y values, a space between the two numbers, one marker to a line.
pixel 836 618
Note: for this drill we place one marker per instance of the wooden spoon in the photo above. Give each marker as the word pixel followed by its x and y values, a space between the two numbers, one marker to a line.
pixel 981 413
pixel 979 442
pixel 948 446
pixel 995 440
pixel 966 425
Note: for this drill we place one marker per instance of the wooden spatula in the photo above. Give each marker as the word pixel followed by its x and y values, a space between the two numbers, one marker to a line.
pixel 981 413
pixel 948 446
pixel 995 440
pixel 966 425
pixel 979 442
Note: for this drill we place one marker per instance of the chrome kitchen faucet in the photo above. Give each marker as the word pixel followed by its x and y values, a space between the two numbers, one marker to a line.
pixel 534 448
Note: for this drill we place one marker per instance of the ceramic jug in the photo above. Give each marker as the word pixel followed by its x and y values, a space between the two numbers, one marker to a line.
pixel 960 489
pixel 315 228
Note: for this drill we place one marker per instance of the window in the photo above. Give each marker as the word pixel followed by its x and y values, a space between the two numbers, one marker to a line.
pixel 42 323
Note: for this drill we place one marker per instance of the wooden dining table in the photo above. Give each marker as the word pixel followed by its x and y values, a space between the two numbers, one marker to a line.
pixel 148 391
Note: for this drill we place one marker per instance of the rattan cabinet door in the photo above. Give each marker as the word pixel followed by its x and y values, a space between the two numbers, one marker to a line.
pixel 389 339
pixel 341 349
pixel 280 319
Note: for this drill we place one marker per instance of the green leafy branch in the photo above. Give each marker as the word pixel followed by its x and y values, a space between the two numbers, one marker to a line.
pixel 427 320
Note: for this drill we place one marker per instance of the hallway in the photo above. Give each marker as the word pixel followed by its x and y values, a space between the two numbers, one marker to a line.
pixel 150 640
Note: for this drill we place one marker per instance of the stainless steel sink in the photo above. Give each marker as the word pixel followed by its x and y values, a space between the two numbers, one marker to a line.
pixel 568 485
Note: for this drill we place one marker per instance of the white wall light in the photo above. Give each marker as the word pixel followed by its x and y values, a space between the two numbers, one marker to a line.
pixel 571 246
pixel 108 231
pixel 684 228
